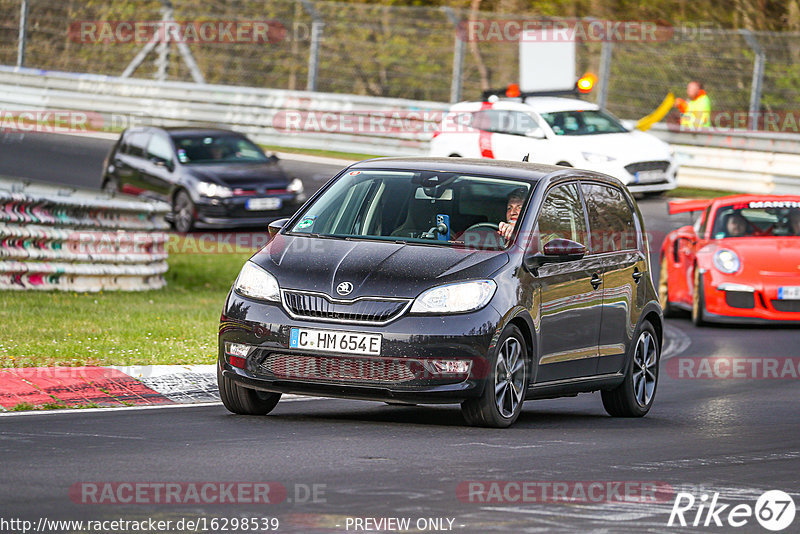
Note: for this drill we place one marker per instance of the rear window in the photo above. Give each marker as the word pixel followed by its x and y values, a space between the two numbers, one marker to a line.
pixel 610 219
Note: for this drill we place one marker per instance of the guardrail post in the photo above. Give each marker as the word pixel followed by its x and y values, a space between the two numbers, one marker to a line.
pixel 758 77
pixel 317 24
pixel 605 73
pixel 23 33
pixel 459 49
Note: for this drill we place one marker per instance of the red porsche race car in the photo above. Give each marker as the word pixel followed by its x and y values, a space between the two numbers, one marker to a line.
pixel 739 262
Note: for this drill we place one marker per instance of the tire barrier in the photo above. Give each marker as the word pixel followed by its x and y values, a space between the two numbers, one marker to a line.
pixel 56 238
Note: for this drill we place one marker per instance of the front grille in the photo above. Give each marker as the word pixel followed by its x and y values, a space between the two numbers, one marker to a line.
pixel 321 307
pixel 786 305
pixel 740 299
pixel 309 367
pixel 633 168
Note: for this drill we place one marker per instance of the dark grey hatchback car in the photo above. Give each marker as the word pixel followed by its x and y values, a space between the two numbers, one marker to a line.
pixel 464 281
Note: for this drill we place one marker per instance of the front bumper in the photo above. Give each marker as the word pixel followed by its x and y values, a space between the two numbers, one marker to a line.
pixel 618 170
pixel 402 372
pixel 233 212
pixel 727 303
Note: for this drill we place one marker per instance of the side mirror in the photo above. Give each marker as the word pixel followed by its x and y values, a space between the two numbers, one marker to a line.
pixel 275 226
pixel 272 158
pixel 536 133
pixel 556 251
pixel 160 162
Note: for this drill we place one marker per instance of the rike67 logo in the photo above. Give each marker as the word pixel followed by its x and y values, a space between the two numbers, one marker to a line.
pixel 774 510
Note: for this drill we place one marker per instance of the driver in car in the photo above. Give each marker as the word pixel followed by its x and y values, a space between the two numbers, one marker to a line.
pixel 513 207
pixel 736 225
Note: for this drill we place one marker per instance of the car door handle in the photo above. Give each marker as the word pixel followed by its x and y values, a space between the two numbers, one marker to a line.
pixel 637 275
pixel 596 280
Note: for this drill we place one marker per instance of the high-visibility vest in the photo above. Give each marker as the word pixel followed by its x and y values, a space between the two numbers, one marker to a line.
pixel 697 112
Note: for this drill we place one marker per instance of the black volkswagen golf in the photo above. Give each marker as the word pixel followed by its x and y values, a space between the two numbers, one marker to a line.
pixel 212 177
pixel 464 281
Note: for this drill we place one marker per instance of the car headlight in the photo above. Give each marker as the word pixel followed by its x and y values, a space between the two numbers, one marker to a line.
pixel 726 261
pixel 255 282
pixel 455 298
pixel 596 158
pixel 208 189
pixel 295 186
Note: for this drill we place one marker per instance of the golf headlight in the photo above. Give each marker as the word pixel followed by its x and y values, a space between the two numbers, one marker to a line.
pixel 295 186
pixel 596 158
pixel 208 189
pixel 255 282
pixel 455 298
pixel 726 261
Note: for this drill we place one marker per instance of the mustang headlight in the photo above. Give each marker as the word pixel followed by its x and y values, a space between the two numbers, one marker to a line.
pixel 596 158
pixel 455 298
pixel 255 282
pixel 726 261
pixel 208 189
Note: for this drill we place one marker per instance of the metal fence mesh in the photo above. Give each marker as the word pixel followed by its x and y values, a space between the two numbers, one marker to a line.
pixel 394 51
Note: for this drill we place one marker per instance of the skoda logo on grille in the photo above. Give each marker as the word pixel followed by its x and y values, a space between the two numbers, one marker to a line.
pixel 344 288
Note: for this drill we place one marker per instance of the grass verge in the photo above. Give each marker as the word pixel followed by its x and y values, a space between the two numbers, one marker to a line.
pixel 689 192
pixel 176 325
pixel 317 152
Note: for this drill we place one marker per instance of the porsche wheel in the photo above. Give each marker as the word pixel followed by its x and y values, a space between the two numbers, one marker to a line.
pixel 663 290
pixel 699 300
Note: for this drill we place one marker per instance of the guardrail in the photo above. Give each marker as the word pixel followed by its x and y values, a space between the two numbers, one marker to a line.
pixel 122 102
pixel 739 161
pixel 79 240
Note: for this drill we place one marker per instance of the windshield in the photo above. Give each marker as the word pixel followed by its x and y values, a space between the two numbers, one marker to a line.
pixel 217 148
pixel 757 219
pixel 591 122
pixel 439 208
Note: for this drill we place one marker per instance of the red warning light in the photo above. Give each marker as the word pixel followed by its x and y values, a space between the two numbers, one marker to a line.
pixel 512 91
pixel 586 83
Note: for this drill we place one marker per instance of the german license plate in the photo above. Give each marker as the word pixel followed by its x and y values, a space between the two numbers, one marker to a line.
pixel 789 293
pixel 648 177
pixel 335 341
pixel 263 204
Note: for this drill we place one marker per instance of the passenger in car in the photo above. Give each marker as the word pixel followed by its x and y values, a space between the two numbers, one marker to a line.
pixel 513 207
pixel 794 222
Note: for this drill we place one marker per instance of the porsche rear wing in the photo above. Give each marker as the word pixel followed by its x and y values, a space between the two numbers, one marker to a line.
pixel 685 206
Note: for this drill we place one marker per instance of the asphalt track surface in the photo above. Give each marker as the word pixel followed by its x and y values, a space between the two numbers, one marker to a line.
pixel 735 437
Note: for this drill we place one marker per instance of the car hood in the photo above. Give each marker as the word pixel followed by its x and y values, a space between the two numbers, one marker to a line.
pixel 762 256
pixel 241 174
pixel 374 268
pixel 626 148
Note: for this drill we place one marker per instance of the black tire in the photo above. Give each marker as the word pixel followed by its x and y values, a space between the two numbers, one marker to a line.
pixel 454 156
pixel 183 212
pixel 663 290
pixel 244 401
pixel 633 398
pixel 485 410
pixel 699 300
pixel 564 164
pixel 110 186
